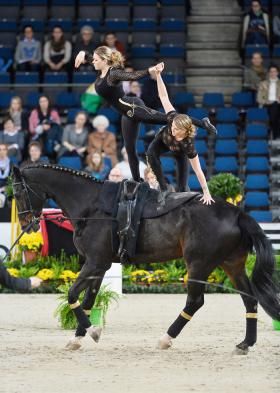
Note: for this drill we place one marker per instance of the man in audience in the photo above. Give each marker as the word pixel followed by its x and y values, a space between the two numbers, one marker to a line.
pixel 125 168
pixel 34 152
pixel 86 43
pixel 256 26
pixel 115 175
pixel 254 74
pixel 269 97
pixel 28 53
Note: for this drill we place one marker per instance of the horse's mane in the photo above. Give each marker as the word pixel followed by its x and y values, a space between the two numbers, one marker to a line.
pixel 59 168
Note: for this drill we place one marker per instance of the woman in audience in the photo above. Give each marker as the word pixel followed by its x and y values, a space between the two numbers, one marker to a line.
pixel 85 41
pixel 13 138
pixel 18 114
pixel 75 136
pixel 57 51
pixel 151 179
pixel 102 140
pixel 4 165
pixel 111 40
pixel 44 125
pixel 34 154
pixel 255 74
pixel 96 166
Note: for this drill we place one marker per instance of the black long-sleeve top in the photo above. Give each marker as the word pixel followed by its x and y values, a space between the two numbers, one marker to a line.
pixel 8 281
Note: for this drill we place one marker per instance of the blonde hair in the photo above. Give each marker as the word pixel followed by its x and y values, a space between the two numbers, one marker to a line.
pixel 93 166
pixel 18 99
pixel 184 123
pixel 114 58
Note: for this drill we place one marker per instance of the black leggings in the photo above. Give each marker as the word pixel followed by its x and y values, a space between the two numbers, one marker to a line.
pixel 155 150
pixel 130 129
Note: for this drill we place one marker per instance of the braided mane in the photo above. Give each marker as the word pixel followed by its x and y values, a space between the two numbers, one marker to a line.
pixel 59 168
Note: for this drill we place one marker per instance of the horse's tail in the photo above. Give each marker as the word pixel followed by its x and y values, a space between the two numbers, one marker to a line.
pixel 263 286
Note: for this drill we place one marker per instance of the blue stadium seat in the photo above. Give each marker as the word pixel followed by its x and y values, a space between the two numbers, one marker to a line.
pixel 10 9
pixel 8 32
pixel 257 115
pixel 227 131
pixel 117 2
pixel 198 113
pixel 171 50
pixel 201 133
pixel 141 51
pixel 6 52
pixel 71 162
pixel 263 49
pixel 5 65
pixel 84 77
pixel 140 147
pixel 32 99
pixel 227 147
pixel 257 164
pixel 37 25
pixel 172 24
pixel 141 11
pixel 256 199
pixel 5 78
pixel 145 2
pixel 116 25
pixel 194 183
pixel 27 77
pixel 91 2
pixel 184 98
pixel 257 148
pixel 71 114
pixel 112 128
pixel 242 100
pixel 94 23
pixel 276 51
pixel 65 24
pixel 170 78
pixel 261 216
pixel 5 99
pixel 168 164
pixel 257 182
pixel 144 24
pixel 227 115
pixel 8 25
pixel 202 164
pixel 55 77
pixel 256 131
pixel 112 115
pixel 226 164
pixel 213 100
pixel 201 148
pixel 142 131
pixel 67 100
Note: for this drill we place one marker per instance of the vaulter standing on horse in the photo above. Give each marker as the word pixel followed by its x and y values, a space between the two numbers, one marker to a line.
pixel 109 65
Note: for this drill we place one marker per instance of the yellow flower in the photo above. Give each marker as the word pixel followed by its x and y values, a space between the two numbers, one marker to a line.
pixel 31 241
pixel 186 276
pixel 140 275
pixel 13 272
pixel 229 200
pixel 45 274
pixel 68 275
pixel 159 275
pixel 238 198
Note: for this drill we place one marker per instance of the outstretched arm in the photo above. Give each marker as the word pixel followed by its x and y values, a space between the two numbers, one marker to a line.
pixel 206 199
pixel 162 92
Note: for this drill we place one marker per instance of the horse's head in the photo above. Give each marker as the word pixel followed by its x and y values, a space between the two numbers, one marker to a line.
pixel 29 202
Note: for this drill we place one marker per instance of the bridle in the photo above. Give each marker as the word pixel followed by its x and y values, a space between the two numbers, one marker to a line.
pixel 25 190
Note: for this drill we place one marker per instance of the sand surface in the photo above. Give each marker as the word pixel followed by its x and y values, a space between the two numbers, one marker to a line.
pixel 33 358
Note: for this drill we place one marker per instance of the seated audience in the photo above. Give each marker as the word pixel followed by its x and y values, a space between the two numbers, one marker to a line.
pixel 125 168
pixel 13 138
pixel 34 154
pixel 75 136
pixel 102 140
pixel 4 165
pixel 276 29
pixel 57 51
pixel 44 126
pixel 254 74
pixel 116 175
pixel 269 97
pixel 111 40
pixel 151 179
pixel 85 42
pixel 134 89
pixel 28 52
pixel 96 166
pixel 256 26
pixel 18 114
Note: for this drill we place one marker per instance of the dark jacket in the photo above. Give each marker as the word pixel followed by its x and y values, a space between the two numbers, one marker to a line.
pixel 8 281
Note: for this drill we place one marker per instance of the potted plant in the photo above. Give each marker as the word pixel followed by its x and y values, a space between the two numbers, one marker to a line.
pixel 98 313
pixel 30 244
pixel 226 186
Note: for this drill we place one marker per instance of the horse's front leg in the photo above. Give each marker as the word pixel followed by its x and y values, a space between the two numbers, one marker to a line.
pixel 87 304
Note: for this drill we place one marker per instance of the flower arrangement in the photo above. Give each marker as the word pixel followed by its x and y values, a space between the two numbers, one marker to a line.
pixel 45 274
pixel 13 272
pixel 31 241
pixel 226 186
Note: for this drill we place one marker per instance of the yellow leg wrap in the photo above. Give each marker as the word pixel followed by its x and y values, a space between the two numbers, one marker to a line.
pixel 252 315
pixel 74 305
pixel 186 316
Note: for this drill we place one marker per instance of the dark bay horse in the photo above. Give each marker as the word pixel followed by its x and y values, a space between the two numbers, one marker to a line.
pixel 206 236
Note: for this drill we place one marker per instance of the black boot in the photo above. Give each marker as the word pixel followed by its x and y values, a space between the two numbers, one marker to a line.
pixel 209 126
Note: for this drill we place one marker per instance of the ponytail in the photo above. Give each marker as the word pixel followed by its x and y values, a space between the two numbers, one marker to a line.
pixel 113 58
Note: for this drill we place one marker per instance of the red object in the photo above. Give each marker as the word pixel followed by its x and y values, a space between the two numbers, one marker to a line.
pixel 53 215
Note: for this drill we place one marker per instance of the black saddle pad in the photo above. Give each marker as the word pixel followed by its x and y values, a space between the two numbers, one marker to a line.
pixel 110 192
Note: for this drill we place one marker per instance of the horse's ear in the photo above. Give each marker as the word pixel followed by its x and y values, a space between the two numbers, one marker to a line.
pixel 15 172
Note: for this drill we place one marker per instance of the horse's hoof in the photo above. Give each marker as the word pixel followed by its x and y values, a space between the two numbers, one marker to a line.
pixel 164 342
pixel 74 344
pixel 241 349
pixel 95 333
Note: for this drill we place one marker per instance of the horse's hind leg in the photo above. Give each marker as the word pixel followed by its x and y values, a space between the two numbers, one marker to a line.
pixel 236 272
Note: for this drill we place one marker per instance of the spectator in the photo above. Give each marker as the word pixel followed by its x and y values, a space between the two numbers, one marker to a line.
pixel 103 140
pixel 75 136
pixel 116 175
pixel 269 97
pixel 28 53
pixel 86 43
pixel 276 28
pixel 44 125
pixel 255 26
pixel 255 74
pixel 134 89
pixel 96 166
pixel 19 116
pixel 57 51
pixel 125 168
pixel 13 138
pixel 34 153
pixel 111 40
pixel 150 92
pixel 151 179
pixel 4 165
